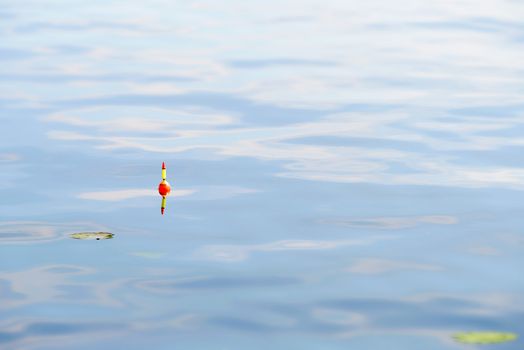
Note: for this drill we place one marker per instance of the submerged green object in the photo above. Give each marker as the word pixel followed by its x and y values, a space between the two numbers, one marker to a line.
pixel 92 235
pixel 484 337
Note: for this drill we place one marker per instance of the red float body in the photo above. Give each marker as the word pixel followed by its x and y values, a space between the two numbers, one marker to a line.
pixel 164 188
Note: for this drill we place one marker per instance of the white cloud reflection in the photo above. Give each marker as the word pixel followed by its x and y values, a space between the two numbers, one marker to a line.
pixel 29 232
pixel 424 159
pixel 385 72
pixel 121 195
pixel 142 119
pixel 378 266
pixel 41 284
pixel 233 253
pixel 200 193
pixel 393 223
pixel 9 157
pixel 484 250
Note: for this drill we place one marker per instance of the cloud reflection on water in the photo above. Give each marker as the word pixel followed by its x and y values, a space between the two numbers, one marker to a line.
pixel 233 253
pixel 350 318
pixel 121 195
pixel 392 223
pixel 43 285
pixel 377 266
pixel 20 232
pixel 216 283
pixel 344 162
pixel 43 332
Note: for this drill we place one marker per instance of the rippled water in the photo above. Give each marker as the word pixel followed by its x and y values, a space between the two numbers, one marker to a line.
pixel 345 175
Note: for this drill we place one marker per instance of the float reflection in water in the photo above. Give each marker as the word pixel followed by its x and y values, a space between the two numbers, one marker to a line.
pixel 163 188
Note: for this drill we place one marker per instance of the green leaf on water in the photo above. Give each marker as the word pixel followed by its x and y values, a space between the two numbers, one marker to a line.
pixel 92 235
pixel 484 337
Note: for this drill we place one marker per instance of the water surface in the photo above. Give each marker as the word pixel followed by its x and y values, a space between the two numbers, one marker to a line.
pixel 345 174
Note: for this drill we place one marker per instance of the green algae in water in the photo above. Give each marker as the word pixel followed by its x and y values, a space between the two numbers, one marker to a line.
pixel 92 235
pixel 484 337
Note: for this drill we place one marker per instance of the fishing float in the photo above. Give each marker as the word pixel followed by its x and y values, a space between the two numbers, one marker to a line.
pixel 163 188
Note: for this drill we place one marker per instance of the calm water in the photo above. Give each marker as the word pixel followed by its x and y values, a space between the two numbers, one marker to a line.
pixel 346 175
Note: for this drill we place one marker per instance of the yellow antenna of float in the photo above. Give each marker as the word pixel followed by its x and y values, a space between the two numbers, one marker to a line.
pixel 163 206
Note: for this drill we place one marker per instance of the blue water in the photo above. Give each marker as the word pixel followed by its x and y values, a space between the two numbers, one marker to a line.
pixel 345 175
